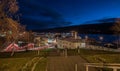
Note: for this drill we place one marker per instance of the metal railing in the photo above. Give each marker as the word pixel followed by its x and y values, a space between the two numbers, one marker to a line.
pixel 113 66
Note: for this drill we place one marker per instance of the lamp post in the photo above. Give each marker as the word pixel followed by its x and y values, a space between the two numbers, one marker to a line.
pixel 86 40
pixel 101 39
pixel 86 37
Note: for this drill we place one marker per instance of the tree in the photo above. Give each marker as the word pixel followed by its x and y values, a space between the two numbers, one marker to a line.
pixel 8 27
pixel 116 29
pixel 8 7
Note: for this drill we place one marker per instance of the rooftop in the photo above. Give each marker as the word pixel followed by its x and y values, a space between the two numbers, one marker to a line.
pixel 72 39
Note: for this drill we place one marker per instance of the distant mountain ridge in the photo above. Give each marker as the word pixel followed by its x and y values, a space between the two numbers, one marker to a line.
pixel 105 20
pixel 102 27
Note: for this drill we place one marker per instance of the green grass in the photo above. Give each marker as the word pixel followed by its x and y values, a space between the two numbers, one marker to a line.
pixel 103 58
pixel 41 66
pixel 97 56
pixel 19 59
pixel 12 64
pixel 24 54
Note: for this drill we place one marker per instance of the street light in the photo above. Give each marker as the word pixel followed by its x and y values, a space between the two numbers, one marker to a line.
pixel 86 40
pixel 86 37
pixel 101 39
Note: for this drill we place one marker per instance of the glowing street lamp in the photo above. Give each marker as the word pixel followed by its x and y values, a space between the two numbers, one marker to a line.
pixel 86 37
pixel 101 38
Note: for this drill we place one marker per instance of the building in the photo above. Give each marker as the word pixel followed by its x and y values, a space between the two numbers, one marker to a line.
pixel 72 42
pixel 37 41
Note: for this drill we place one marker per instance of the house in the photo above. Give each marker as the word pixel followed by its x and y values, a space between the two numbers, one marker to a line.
pixel 72 42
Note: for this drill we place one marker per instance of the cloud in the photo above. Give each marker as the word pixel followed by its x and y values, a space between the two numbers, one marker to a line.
pixel 36 16
pixel 36 23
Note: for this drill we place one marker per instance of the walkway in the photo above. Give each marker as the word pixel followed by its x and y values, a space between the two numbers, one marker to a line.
pixel 62 63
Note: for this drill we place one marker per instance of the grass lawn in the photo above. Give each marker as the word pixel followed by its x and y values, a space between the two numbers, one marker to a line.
pixel 41 66
pixel 12 64
pixel 97 56
pixel 20 59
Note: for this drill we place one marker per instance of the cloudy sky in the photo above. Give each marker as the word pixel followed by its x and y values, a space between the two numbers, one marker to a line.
pixel 44 14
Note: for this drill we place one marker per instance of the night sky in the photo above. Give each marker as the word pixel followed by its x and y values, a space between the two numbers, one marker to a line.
pixel 44 14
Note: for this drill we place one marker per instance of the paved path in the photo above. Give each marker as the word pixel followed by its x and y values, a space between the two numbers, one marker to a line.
pixel 62 63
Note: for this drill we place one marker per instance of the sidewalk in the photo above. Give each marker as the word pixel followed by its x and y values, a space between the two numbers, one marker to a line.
pixel 66 63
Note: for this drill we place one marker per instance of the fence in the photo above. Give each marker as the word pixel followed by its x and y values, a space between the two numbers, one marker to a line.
pixel 113 66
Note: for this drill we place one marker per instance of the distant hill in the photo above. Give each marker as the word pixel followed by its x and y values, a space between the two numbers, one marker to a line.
pixel 101 27
pixel 105 20
pixel 84 29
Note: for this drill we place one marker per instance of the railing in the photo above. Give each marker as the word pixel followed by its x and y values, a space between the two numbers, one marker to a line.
pixel 113 66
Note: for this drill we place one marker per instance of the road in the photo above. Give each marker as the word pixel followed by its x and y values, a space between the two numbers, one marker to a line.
pixel 61 63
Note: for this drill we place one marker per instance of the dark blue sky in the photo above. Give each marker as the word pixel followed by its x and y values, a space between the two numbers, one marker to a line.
pixel 43 14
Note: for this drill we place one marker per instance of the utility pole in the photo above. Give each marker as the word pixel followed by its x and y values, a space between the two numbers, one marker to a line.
pixel 66 52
